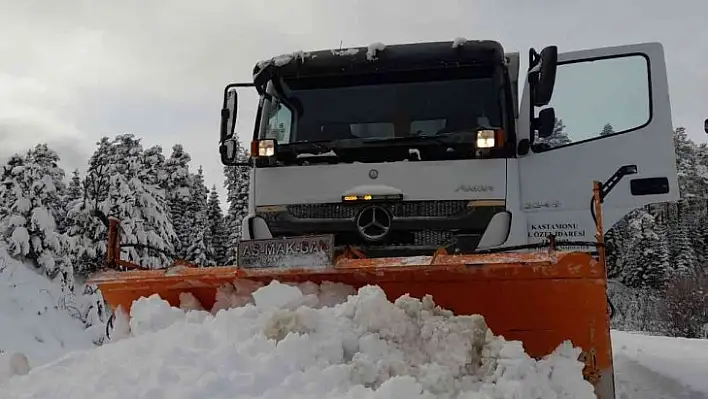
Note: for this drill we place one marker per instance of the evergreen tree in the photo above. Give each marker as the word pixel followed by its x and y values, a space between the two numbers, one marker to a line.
pixel 691 182
pixel 75 188
pixel 648 257
pixel 154 163
pixel 197 251
pixel 681 252
pixel 31 193
pixel 120 183
pixel 607 130
pixel 557 138
pixel 14 165
pixel 178 186
pixel 216 236
pixel 698 231
pixel 48 161
pixel 141 207
pixel 237 184
pixel 86 217
pixel 615 243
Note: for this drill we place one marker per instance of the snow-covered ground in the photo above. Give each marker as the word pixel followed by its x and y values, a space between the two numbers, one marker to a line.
pixel 282 341
pixel 308 341
pixel 32 320
pixel 660 367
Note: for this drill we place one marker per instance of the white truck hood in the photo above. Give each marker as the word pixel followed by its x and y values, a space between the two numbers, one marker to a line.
pixel 429 180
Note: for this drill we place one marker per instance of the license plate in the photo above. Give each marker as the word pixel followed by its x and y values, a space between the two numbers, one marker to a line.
pixel 288 252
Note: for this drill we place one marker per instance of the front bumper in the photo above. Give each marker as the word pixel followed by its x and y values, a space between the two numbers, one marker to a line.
pixel 414 227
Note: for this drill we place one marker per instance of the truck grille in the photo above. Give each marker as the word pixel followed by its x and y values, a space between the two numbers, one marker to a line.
pixel 432 238
pixel 400 209
pixel 417 225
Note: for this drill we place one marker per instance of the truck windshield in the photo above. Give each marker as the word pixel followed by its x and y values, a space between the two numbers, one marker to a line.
pixel 386 111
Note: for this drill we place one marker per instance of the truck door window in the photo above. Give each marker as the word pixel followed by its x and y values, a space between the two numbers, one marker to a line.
pixel 600 97
pixel 279 123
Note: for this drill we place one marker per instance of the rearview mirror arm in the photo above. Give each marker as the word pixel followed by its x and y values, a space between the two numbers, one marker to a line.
pixel 623 171
pixel 606 187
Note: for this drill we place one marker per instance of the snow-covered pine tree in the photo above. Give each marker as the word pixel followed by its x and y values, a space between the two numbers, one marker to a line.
pixel 30 192
pixel 698 231
pixel 619 241
pixel 75 189
pixel 178 188
pixel 216 235
pixel 87 223
pixel 558 137
pixel 691 182
pixel 237 185
pixel 141 206
pixel 48 160
pixel 7 196
pixel 197 251
pixel 647 255
pixel 614 250
pixel 154 162
pixel 120 184
pixel 681 252
pixel 663 251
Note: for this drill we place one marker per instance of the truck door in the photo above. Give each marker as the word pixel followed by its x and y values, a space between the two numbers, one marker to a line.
pixel 612 109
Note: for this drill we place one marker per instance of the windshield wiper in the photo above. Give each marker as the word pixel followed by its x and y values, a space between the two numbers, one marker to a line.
pixel 307 150
pixel 449 138
pixel 315 146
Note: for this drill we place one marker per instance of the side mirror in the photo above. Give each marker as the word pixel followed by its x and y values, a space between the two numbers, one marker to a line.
pixel 542 74
pixel 228 113
pixel 228 150
pixel 545 122
pixel 705 125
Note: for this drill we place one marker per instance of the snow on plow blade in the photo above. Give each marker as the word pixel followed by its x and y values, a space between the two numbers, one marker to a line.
pixel 540 299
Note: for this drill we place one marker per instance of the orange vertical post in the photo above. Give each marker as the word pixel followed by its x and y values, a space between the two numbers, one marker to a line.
pixel 599 236
pixel 112 251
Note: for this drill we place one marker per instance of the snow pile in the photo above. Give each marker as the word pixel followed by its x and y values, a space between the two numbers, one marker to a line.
pixel 284 59
pixel 283 341
pixel 458 42
pixel 12 364
pixel 349 51
pixel 34 321
pixel 373 49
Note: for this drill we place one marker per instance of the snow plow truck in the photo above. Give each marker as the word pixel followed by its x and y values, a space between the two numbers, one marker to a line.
pixel 416 168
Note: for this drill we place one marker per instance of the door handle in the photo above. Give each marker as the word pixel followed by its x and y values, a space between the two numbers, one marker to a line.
pixel 649 186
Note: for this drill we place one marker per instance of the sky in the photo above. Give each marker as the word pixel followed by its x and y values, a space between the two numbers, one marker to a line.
pixel 76 70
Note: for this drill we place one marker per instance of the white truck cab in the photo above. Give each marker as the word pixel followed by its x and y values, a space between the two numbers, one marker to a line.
pixel 400 150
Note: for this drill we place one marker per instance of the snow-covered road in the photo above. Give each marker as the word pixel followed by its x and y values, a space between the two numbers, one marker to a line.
pixel 635 381
pixel 660 367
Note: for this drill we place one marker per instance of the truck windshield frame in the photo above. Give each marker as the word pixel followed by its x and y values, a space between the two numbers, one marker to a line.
pixel 351 113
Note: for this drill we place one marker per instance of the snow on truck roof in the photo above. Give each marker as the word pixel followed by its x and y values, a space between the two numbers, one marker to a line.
pixel 378 57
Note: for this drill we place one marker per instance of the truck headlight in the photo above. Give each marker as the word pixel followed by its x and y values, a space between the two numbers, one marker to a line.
pixel 263 148
pixel 486 139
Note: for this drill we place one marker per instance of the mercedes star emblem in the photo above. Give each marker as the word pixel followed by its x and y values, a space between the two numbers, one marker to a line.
pixel 373 174
pixel 373 222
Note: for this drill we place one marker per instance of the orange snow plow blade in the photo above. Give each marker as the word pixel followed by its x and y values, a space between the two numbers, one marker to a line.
pixel 540 299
